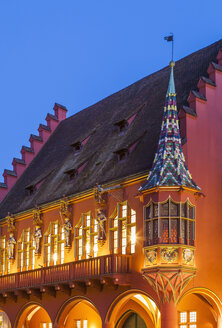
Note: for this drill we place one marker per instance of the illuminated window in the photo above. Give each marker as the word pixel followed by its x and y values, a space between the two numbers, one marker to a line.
pixel 81 324
pixel 169 223
pixel 85 237
pixel 78 323
pixel 51 245
pixel 95 239
pixel 122 227
pixel 133 231
pixel 46 325
pixel 62 245
pixel 26 251
pixel 3 255
pixel 188 319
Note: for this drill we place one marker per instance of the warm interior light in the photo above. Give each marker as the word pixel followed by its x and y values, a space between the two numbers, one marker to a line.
pixel 55 258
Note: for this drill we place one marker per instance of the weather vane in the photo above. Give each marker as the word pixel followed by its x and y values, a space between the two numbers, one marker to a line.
pixel 169 38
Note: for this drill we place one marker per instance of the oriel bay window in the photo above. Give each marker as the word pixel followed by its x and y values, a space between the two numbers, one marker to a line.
pixel 54 245
pixel 26 251
pixel 122 230
pixel 169 223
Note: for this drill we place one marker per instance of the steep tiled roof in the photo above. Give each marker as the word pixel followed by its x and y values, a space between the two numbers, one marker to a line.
pixel 146 96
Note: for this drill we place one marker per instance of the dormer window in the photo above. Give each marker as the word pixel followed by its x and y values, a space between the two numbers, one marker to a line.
pixel 122 154
pixel 122 125
pixel 30 190
pixel 73 173
pixel 77 146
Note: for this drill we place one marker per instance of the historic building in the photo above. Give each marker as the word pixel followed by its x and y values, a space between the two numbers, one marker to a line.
pixel 102 224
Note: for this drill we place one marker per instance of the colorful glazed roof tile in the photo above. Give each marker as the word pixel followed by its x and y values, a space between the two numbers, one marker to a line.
pixel 169 168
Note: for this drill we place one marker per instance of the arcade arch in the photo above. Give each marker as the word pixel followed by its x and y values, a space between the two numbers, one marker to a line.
pixel 33 316
pixel 205 303
pixel 133 306
pixel 78 313
pixel 4 320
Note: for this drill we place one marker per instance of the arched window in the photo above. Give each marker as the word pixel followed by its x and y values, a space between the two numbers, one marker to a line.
pixel 26 252
pixel 122 228
pixel 54 245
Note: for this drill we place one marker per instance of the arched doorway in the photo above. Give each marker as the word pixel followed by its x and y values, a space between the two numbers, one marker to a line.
pixel 199 307
pixel 133 309
pixel 33 316
pixel 131 320
pixel 78 312
pixel 4 320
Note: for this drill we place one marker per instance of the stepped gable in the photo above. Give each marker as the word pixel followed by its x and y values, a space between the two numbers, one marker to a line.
pixel 46 178
pixel 28 153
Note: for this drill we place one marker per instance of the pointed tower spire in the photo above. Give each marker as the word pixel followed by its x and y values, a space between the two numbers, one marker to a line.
pixel 169 168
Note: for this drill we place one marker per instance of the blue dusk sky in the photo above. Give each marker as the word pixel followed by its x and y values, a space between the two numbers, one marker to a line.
pixel 76 52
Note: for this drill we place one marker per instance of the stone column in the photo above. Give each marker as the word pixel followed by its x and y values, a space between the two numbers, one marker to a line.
pixel 169 315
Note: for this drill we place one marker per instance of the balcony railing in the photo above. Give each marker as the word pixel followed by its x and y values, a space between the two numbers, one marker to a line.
pixel 95 268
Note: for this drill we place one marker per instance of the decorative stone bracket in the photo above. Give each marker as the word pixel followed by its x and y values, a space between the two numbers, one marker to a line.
pixel 168 283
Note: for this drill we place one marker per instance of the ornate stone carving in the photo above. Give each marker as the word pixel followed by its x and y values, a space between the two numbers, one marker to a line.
pixel 11 222
pixel 168 283
pixel 11 246
pixel 188 256
pixel 11 241
pixel 66 220
pixel 99 196
pixel 101 220
pixel 37 221
pixel 151 256
pixel 169 255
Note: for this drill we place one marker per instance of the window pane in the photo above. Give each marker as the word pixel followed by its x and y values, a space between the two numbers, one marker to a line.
pixel 174 231
pixel 174 209
pixel 193 316
pixel 84 323
pixel 192 326
pixel 164 208
pixel 183 231
pixel 148 212
pixel 124 211
pixel 78 324
pixel 155 231
pixel 183 317
pixel 165 231
pixel 184 210
pixel 155 210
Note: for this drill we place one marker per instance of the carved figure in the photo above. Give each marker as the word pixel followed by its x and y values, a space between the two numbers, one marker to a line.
pixel 37 238
pixel 67 231
pixel 10 221
pixel 37 221
pixel 98 192
pixel 11 246
pixel 101 219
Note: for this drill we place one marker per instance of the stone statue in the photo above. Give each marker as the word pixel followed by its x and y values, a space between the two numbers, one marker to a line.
pixel 11 246
pixel 37 238
pixel 67 231
pixel 101 219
